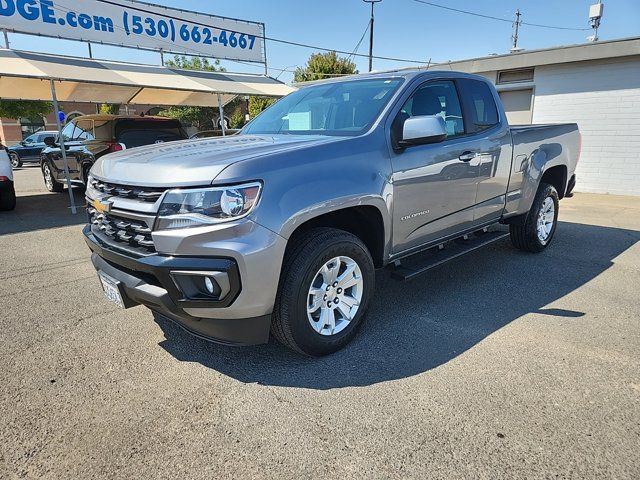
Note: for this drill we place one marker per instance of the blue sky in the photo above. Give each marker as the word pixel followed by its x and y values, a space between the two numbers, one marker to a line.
pixel 404 28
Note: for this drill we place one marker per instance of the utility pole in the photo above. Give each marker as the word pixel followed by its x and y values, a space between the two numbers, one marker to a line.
pixel 372 2
pixel 516 26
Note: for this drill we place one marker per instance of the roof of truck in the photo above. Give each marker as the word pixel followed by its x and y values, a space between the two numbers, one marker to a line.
pixel 400 73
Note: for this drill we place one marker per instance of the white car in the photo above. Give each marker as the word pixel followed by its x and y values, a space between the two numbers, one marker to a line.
pixel 7 192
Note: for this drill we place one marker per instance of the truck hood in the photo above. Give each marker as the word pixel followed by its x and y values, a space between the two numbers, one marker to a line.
pixel 193 162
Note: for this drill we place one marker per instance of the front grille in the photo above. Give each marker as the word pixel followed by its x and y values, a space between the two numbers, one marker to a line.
pixel 121 232
pixel 147 194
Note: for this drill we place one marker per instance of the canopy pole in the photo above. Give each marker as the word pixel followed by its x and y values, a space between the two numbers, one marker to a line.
pixel 6 39
pixel 56 109
pixel 264 50
pixel 221 113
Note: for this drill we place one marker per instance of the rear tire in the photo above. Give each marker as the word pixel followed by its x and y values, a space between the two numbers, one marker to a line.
pixel 14 158
pixel 8 199
pixel 537 232
pixel 313 314
pixel 49 181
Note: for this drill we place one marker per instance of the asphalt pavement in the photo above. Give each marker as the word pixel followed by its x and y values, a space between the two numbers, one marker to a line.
pixel 499 364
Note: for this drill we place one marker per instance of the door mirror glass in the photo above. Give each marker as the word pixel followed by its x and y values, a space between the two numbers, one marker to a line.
pixel 49 141
pixel 423 129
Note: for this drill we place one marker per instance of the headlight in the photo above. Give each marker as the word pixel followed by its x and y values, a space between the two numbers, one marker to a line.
pixel 202 206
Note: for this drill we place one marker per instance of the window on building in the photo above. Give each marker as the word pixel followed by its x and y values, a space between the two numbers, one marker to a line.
pixel 73 115
pixel 515 76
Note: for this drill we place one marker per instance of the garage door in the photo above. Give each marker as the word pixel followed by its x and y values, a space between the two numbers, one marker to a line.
pixel 603 98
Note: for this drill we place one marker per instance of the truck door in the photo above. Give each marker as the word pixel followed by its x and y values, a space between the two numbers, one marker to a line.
pixel 493 143
pixel 434 185
pixel 76 134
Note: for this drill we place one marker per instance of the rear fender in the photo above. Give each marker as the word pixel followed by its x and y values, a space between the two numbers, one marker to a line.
pixel 541 159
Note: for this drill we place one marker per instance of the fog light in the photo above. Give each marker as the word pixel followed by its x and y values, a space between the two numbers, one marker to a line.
pixel 196 285
pixel 208 283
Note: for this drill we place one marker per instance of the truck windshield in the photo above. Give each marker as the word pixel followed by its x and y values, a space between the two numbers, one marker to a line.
pixel 345 108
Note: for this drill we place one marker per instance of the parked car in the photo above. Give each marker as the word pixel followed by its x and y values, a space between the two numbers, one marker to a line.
pixel 280 228
pixel 89 137
pixel 213 133
pixel 29 149
pixel 7 191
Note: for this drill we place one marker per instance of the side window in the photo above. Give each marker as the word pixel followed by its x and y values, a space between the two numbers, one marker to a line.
pixel 31 139
pixel 67 131
pixel 479 104
pixel 84 130
pixel 436 98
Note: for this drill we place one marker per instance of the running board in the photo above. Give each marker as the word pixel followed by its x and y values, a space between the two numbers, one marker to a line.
pixel 419 263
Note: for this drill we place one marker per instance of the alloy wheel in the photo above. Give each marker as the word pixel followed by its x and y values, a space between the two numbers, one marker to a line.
pixel 48 180
pixel 15 159
pixel 546 219
pixel 334 296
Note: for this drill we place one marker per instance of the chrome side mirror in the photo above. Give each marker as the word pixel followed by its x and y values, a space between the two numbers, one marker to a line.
pixel 423 129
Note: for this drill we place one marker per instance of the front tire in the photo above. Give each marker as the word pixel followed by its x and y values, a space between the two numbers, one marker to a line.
pixel 49 180
pixel 326 283
pixel 14 158
pixel 540 226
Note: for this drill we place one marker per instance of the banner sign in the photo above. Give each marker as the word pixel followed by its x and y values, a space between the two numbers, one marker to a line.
pixel 129 23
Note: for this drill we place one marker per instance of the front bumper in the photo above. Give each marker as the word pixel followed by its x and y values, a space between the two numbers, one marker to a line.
pixel 147 281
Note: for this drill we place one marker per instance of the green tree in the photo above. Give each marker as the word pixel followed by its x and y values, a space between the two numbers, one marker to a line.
pixel 258 104
pixel 195 63
pixel 110 108
pixel 237 120
pixel 324 65
pixel 24 109
pixel 199 117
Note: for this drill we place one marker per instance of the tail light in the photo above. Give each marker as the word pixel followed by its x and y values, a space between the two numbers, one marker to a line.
pixel 115 147
pixel 4 179
pixel 579 145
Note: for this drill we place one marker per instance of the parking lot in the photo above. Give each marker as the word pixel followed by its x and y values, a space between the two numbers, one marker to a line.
pixel 499 364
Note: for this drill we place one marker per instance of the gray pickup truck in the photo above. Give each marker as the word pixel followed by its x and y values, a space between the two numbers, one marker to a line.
pixel 279 229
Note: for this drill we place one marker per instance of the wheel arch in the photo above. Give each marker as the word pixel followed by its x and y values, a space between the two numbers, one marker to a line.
pixel 364 221
pixel 556 176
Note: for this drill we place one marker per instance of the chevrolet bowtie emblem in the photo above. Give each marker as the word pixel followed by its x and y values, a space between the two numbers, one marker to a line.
pixel 102 205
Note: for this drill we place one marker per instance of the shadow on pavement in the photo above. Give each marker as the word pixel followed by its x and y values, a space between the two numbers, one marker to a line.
pixel 42 211
pixel 416 326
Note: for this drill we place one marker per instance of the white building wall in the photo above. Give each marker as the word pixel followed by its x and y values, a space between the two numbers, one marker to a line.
pixel 603 97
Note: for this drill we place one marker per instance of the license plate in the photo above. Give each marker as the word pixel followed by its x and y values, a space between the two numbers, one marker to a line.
pixel 110 288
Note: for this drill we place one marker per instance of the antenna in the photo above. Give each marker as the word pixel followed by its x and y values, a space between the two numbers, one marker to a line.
pixel 514 37
pixel 595 15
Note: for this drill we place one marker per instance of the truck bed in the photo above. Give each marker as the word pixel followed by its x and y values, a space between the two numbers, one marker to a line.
pixel 536 147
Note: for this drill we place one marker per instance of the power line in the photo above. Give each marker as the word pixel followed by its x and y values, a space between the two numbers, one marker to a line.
pixel 264 37
pixel 355 50
pixel 491 17
pixel 249 64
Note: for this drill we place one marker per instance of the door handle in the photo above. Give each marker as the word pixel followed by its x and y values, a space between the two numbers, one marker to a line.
pixel 467 156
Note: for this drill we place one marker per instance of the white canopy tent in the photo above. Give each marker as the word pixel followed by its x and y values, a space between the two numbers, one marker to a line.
pixel 25 76
pixel 39 76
